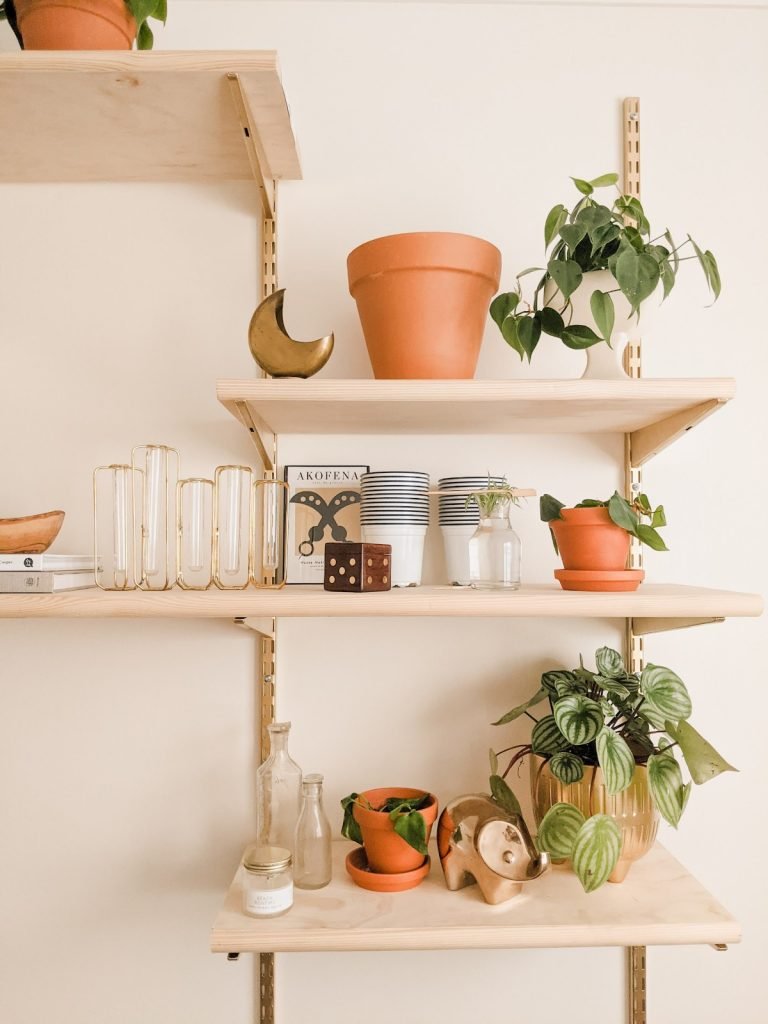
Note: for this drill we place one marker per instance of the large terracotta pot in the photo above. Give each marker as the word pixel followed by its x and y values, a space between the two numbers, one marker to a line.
pixel 423 302
pixel 387 852
pixel 75 24
pixel 588 538
pixel 633 810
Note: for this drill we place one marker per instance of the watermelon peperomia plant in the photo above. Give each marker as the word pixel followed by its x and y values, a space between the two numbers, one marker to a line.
pixel 615 720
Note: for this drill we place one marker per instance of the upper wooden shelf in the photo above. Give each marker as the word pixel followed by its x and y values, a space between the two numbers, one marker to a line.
pixel 660 903
pixel 142 116
pixel 653 412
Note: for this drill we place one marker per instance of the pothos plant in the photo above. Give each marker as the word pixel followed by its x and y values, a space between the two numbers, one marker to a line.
pixel 615 720
pixel 403 813
pixel 141 11
pixel 628 515
pixel 614 236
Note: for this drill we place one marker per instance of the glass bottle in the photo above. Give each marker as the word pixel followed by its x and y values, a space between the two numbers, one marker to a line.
pixel 278 791
pixel 312 857
pixel 495 550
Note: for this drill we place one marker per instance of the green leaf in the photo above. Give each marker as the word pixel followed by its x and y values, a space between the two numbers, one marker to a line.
pixel 528 270
pixel 552 679
pixel 413 829
pixel 565 689
pixel 558 830
pixel 667 277
pixel 551 321
pixel 596 851
pixel 566 274
pixel 578 337
pixel 594 217
pixel 649 536
pixel 611 686
pixel 509 334
pixel 637 274
pixel 528 334
pixel 665 692
pixel 673 251
pixel 549 508
pixel 504 796
pixel 616 760
pixel 145 38
pixel 349 827
pixel 537 698
pixel 578 718
pixel 709 266
pixel 659 517
pixel 622 513
pixel 493 761
pixel 556 217
pixel 604 313
pixel 703 761
pixel 583 186
pixel 566 767
pixel 161 11
pixel 546 737
pixel 502 306
pixel 609 663
pixel 572 234
pixel 602 180
pixel 665 781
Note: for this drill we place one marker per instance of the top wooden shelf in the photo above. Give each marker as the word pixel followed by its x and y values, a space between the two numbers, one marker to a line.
pixel 142 117
pixel 653 412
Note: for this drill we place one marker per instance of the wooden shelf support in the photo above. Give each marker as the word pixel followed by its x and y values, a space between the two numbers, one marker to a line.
pixel 263 438
pixel 253 145
pixel 650 440
pixel 650 624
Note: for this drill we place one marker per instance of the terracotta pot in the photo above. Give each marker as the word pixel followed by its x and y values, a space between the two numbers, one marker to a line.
pixel 75 24
pixel 423 302
pixel 588 538
pixel 633 810
pixel 387 852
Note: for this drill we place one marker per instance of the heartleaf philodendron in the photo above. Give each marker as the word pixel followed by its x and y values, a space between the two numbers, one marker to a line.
pixel 629 516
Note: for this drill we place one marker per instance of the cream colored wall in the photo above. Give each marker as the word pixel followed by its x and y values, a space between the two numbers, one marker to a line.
pixel 127 753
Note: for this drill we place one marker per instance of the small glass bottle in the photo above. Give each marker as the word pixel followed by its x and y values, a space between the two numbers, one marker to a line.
pixel 267 883
pixel 495 550
pixel 278 791
pixel 312 857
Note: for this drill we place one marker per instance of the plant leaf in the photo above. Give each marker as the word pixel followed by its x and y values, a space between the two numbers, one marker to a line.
pixel 528 334
pixel 596 851
pixel 578 718
pixel 509 333
pixel 594 217
pixel 145 38
pixel 648 535
pixel 502 306
pixel 504 796
pixel 558 830
pixel 616 760
pixel 659 517
pixel 566 274
pixel 413 829
pixel 493 760
pixel 602 180
pixel 637 274
pixel 349 827
pixel 665 692
pixel 622 513
pixel 666 784
pixel 583 186
pixel 549 508
pixel 546 737
pixel 551 679
pixel 551 321
pixel 537 698
pixel 578 336
pixel 572 234
pixel 703 761
pixel 604 313
pixel 556 217
pixel 566 767
pixel 609 663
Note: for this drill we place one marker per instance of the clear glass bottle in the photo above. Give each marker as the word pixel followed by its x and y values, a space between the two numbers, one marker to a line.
pixel 495 550
pixel 312 856
pixel 278 791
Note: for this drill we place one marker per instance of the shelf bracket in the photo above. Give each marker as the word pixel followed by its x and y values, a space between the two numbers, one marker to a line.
pixel 636 984
pixel 264 627
pixel 649 441
pixel 264 442
pixel 253 145
pixel 644 626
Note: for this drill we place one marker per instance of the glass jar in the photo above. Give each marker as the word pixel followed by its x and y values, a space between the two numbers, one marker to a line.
pixel 495 551
pixel 267 881
pixel 278 791
pixel 312 856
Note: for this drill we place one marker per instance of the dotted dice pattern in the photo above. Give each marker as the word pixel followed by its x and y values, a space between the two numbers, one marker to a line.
pixel 358 567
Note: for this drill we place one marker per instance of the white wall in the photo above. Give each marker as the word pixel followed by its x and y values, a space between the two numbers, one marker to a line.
pixel 127 747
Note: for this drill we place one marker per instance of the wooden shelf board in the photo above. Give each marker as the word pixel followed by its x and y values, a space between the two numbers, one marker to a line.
pixel 660 903
pixel 654 412
pixel 140 116
pixel 652 601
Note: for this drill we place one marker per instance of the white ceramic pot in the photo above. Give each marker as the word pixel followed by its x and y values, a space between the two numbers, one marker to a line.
pixel 604 362
pixel 456 543
pixel 407 550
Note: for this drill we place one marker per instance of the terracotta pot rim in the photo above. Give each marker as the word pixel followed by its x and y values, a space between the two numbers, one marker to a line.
pixel 585 517
pixel 428 251
pixel 380 819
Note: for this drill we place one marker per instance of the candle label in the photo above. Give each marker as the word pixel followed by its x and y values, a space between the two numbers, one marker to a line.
pixel 269 901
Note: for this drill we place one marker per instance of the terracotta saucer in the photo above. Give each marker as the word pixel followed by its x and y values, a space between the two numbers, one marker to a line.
pixel 357 866
pixel 600 580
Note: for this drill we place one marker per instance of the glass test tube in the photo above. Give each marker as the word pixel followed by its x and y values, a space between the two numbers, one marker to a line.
pixel 157 469
pixel 114 533
pixel 231 533
pixel 195 534
pixel 270 501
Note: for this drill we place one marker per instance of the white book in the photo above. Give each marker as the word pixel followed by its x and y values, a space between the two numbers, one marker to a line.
pixel 46 563
pixel 43 582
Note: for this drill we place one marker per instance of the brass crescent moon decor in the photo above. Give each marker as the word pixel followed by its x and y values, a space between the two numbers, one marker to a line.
pixel 273 348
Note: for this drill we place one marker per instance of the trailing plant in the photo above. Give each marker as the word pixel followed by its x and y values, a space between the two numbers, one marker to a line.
pixel 141 11
pixel 594 236
pixel 615 720
pixel 8 13
pixel 628 515
pixel 493 496
pixel 403 813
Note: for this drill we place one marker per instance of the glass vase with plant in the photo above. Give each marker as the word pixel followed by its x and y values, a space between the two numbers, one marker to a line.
pixel 495 550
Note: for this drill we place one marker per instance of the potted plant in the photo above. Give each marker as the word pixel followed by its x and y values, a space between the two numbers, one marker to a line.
pixel 605 265
pixel 593 539
pixel 604 762
pixel 393 825
pixel 83 24
pixel 422 300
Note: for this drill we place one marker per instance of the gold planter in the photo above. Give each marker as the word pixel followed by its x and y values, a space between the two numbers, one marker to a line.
pixel 633 810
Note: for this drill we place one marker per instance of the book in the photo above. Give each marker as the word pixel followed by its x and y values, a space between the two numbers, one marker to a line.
pixel 46 563
pixel 323 505
pixel 44 582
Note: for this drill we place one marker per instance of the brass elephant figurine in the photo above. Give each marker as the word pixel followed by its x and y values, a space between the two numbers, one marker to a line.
pixel 479 841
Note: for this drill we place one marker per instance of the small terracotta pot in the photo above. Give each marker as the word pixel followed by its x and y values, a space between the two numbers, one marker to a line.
pixel 423 302
pixel 588 538
pixel 75 24
pixel 387 852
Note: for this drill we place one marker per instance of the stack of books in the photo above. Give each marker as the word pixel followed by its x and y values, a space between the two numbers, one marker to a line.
pixel 45 574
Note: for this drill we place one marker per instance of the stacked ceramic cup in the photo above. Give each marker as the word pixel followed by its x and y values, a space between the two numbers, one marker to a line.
pixel 394 509
pixel 458 521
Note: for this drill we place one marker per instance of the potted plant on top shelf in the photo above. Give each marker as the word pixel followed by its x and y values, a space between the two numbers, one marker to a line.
pixel 604 267
pixel 83 24
pixel 604 762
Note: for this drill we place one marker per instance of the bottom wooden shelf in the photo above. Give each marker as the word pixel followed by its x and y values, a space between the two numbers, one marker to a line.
pixel 660 903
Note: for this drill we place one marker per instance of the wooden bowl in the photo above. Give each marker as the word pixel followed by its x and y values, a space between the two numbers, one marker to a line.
pixel 30 535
